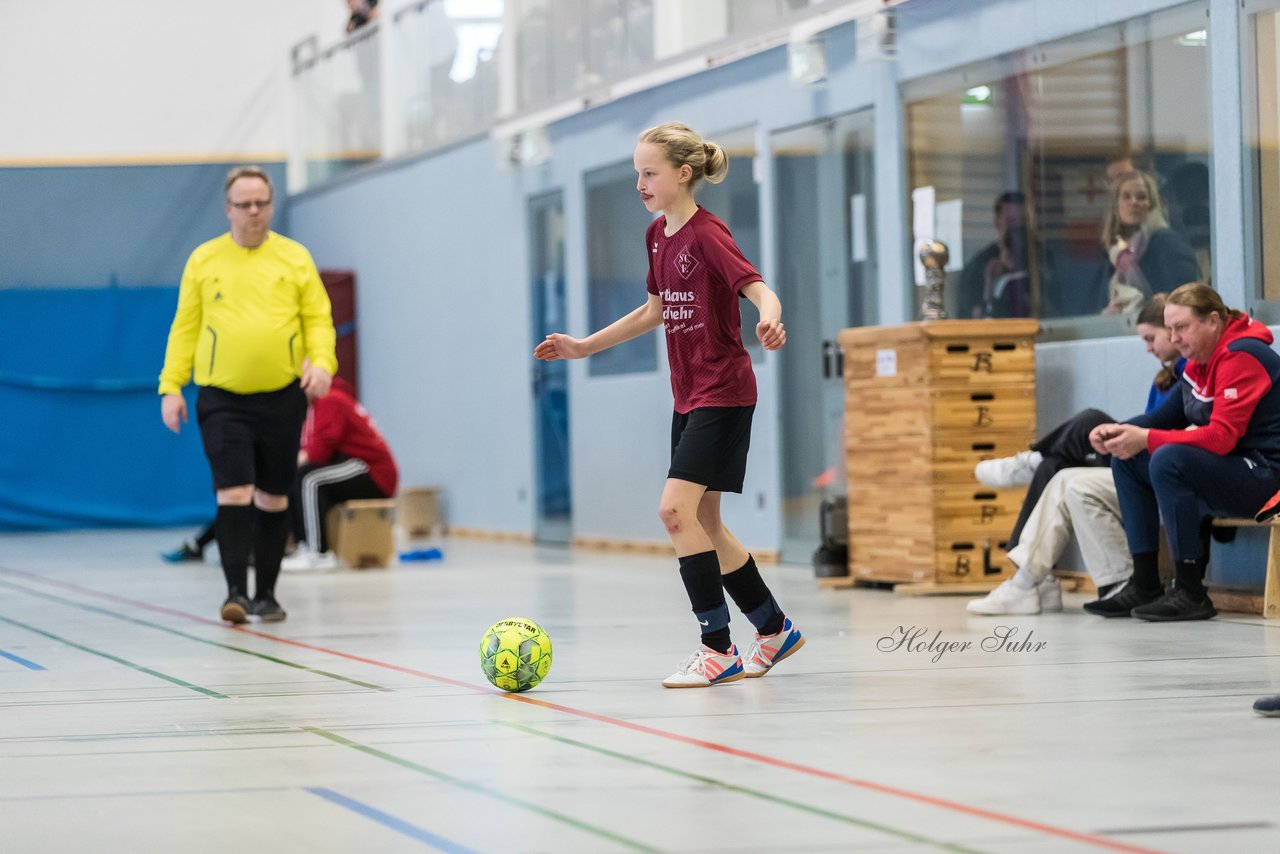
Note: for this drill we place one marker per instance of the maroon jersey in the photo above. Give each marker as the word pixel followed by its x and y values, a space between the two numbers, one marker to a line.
pixel 698 272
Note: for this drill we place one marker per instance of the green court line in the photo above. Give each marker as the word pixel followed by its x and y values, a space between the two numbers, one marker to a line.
pixel 115 658
pixel 53 598
pixel 479 789
pixel 743 790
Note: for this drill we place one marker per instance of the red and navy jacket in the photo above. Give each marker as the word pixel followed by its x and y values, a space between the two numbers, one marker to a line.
pixel 1232 401
pixel 337 424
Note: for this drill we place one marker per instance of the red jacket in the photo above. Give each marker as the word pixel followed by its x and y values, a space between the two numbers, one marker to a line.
pixel 338 424
pixel 1233 400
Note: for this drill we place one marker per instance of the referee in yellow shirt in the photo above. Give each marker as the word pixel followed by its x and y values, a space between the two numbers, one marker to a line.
pixel 255 325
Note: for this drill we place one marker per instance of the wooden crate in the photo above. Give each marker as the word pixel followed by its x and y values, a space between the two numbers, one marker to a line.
pixel 924 404
pixel 957 352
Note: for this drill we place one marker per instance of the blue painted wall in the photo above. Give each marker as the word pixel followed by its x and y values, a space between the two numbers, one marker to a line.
pixel 91 226
pixel 81 442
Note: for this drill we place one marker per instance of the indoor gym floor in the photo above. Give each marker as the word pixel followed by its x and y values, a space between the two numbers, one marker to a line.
pixel 133 720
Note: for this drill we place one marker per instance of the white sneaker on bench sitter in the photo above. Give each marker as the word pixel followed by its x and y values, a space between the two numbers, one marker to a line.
pixel 1012 599
pixel 1007 472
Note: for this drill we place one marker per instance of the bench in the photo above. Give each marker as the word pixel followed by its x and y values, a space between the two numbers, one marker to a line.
pixel 1248 600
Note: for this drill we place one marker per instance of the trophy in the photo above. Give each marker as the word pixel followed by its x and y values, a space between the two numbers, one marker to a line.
pixel 934 255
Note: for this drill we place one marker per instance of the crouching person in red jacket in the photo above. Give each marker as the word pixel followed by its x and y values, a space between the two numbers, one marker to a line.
pixel 343 457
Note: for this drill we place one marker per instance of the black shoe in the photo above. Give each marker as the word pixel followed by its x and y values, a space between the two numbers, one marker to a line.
pixel 267 609
pixel 1269 706
pixel 182 554
pixel 1177 604
pixel 1121 601
pixel 236 609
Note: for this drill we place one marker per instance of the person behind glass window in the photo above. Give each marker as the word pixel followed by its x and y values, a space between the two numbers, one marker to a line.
pixel 1146 256
pixel 1188 202
pixel 1010 276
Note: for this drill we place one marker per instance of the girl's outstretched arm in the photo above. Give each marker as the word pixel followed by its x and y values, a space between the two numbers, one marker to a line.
pixel 644 319
pixel 769 330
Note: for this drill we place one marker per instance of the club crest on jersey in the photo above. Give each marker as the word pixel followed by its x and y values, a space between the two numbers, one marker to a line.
pixel 1229 394
pixel 686 264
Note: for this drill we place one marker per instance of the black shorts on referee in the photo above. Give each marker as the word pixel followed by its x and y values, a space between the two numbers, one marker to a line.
pixel 252 438
pixel 709 446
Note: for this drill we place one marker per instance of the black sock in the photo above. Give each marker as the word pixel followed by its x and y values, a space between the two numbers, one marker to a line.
pixel 701 576
pixel 234 524
pixel 1190 577
pixel 752 596
pixel 1146 572
pixel 271 531
pixel 206 536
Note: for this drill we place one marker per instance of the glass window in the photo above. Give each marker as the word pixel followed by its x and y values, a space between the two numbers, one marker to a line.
pixel 570 46
pixel 1264 136
pixel 339 116
pixel 617 266
pixel 736 200
pixel 447 79
pixel 1069 180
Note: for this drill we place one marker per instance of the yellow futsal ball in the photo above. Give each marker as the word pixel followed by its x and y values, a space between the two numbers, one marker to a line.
pixel 515 654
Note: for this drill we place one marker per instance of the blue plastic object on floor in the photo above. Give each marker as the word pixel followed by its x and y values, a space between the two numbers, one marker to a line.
pixel 421 555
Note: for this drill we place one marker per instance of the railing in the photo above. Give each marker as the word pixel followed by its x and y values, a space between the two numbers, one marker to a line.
pixel 435 71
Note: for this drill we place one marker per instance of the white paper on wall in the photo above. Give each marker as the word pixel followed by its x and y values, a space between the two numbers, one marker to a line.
pixel 922 226
pixel 948 227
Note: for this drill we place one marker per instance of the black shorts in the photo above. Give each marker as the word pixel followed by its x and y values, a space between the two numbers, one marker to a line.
pixel 709 446
pixel 252 438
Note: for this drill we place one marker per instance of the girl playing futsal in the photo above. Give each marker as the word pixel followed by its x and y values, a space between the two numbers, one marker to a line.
pixel 696 275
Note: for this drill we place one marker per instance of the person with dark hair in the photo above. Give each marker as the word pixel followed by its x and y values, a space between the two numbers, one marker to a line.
pixel 362 12
pixel 1012 276
pixel 1071 491
pixel 1212 450
pixel 254 323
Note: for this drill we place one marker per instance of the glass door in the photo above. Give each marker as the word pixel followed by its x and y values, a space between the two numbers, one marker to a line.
pixel 827 281
pixel 553 523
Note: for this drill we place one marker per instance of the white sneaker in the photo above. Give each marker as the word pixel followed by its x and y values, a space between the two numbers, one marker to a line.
pixel 1050 591
pixel 705 668
pixel 1007 599
pixel 305 560
pixel 1007 472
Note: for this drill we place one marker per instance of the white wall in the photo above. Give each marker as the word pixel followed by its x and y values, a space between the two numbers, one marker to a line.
pixel 135 81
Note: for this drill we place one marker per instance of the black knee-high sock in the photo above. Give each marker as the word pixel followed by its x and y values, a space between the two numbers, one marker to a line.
pixel 233 525
pixel 206 536
pixel 268 547
pixel 1146 571
pixel 753 598
pixel 1190 576
pixel 701 576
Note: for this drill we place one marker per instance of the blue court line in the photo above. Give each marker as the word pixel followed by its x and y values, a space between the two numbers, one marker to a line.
pixel 30 665
pixel 388 820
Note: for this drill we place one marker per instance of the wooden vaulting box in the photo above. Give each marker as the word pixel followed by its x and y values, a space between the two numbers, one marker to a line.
pixel 360 532
pixel 924 403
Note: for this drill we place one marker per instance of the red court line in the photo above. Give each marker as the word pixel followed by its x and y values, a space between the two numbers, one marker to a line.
pixel 833 776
